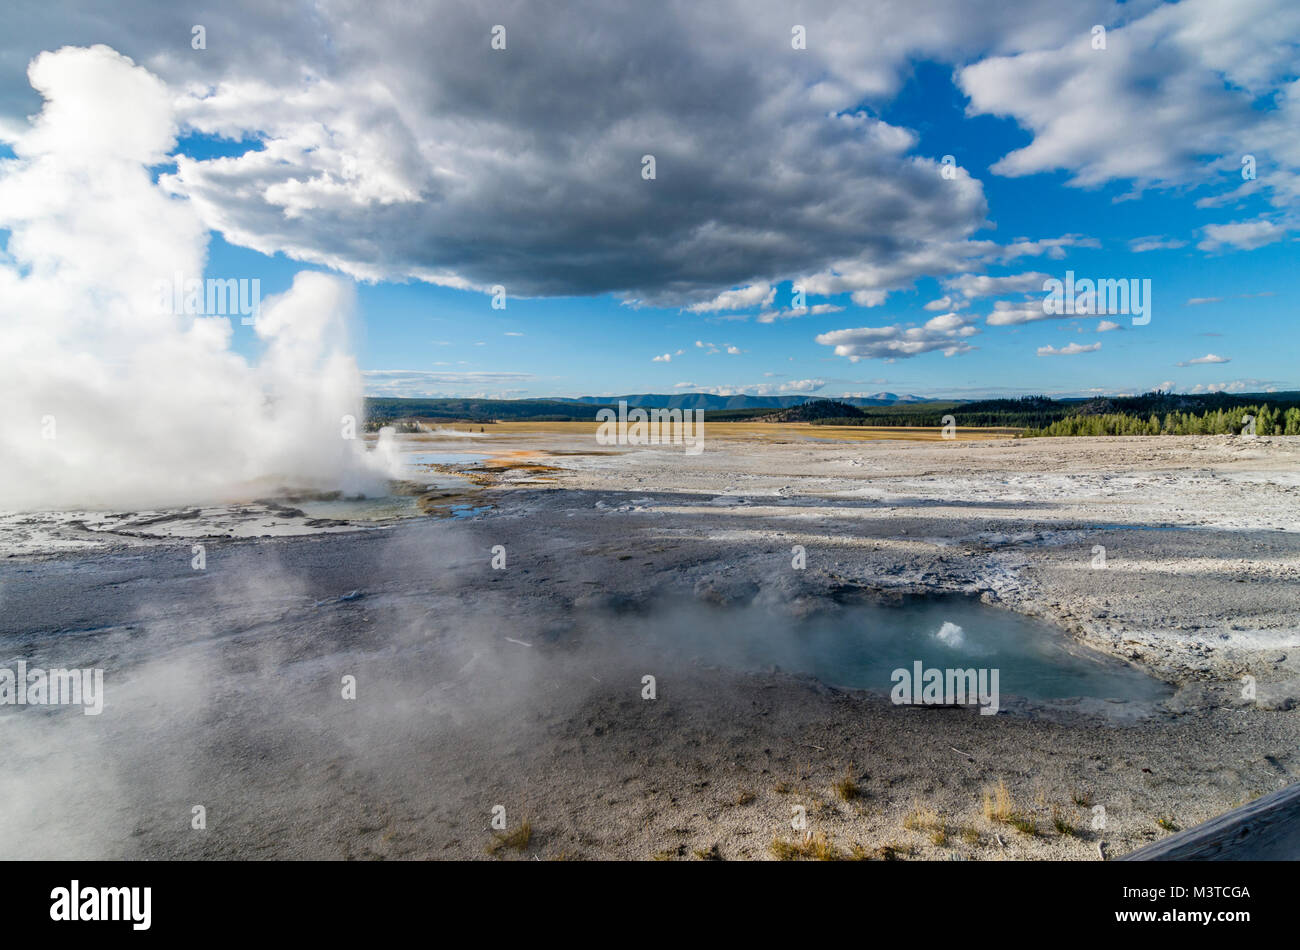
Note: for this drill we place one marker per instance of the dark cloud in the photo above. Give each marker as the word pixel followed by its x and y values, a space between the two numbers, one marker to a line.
pixel 397 143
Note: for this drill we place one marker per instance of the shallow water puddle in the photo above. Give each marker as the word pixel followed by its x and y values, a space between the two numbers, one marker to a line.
pixel 382 508
pixel 421 459
pixel 861 647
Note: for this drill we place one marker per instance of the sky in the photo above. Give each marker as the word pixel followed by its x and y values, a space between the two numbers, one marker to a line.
pixel 794 145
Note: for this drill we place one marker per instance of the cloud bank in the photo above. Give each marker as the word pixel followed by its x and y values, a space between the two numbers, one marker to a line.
pixel 384 148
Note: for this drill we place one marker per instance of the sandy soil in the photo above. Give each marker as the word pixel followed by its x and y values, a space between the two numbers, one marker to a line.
pixel 522 687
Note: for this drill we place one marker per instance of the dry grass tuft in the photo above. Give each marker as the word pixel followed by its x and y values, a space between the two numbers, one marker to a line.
pixel 517 839
pixel 847 788
pixel 998 804
pixel 892 851
pixel 922 818
pixel 1064 824
pixel 1023 824
pixel 815 848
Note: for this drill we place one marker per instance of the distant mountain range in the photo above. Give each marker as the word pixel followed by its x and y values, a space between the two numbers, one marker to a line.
pixel 713 403
pixel 1110 415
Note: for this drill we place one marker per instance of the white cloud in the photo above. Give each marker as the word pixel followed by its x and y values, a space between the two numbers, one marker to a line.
pixel 1197 301
pixel 947 302
pixel 665 358
pixel 389 149
pixel 792 387
pixel 1006 314
pixel 1207 358
pixel 402 152
pixel 1235 386
pixel 1232 196
pixel 430 384
pixel 1069 350
pixel 1176 83
pixel 802 385
pixel 1106 326
pixel 1246 235
pixel 755 295
pixel 1154 243
pixel 711 349
pixel 947 332
pixel 385 151
pixel 972 286
pixel 869 284
pixel 816 310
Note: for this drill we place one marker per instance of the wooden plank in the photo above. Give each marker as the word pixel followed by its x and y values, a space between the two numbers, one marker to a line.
pixel 1267 829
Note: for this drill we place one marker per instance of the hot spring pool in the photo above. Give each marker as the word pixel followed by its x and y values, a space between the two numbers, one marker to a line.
pixel 860 647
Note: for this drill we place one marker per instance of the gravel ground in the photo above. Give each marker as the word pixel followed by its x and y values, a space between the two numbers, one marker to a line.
pixel 522 686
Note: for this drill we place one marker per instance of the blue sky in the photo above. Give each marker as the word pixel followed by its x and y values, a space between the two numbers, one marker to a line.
pixel 427 168
pixel 568 346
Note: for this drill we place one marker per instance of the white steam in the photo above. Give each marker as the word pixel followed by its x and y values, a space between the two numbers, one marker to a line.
pixel 951 634
pixel 453 433
pixel 108 402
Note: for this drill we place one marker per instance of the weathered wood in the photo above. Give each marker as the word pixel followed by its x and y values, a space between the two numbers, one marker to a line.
pixel 1267 829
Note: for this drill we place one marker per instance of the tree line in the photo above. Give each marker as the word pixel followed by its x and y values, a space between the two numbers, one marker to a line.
pixel 1268 420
